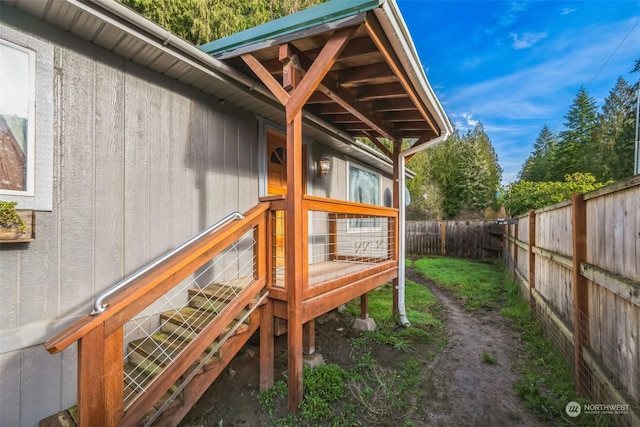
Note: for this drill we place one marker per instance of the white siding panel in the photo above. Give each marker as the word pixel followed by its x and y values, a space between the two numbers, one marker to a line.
pixel 109 176
pixel 40 385
pixel 77 178
pixel 9 286
pixel 10 389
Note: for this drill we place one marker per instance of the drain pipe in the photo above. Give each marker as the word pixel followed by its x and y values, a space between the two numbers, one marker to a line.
pixel 402 310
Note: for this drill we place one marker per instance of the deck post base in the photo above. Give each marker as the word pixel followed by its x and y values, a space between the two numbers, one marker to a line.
pixel 367 324
pixel 312 361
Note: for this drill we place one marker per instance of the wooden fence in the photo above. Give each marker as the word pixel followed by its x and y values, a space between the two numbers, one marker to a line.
pixel 464 239
pixel 579 264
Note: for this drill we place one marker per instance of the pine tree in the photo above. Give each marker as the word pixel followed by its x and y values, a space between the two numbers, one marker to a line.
pixel 616 131
pixel 201 21
pixel 539 165
pixel 577 150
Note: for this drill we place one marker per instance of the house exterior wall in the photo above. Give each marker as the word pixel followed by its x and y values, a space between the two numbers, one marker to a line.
pixel 140 164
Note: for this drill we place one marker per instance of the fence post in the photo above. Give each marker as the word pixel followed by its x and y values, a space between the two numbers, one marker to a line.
pixel 514 252
pixel 532 257
pixel 443 226
pixel 580 294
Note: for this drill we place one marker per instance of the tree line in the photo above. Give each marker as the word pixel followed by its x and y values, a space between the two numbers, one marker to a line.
pixel 594 148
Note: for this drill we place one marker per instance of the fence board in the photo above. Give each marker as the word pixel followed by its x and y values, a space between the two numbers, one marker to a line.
pixel 613 272
pixel 465 239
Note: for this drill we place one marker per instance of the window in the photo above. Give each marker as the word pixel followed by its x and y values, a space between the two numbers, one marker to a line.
pixel 27 84
pixel 364 187
pixel 17 105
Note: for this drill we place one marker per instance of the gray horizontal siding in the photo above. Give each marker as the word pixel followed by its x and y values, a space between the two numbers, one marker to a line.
pixel 141 163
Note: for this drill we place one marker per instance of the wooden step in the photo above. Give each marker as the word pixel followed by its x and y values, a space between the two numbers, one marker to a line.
pixel 222 291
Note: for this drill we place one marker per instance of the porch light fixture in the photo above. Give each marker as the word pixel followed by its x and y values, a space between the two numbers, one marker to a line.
pixel 324 165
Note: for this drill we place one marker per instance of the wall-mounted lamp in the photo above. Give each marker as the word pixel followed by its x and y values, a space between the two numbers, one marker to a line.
pixel 324 165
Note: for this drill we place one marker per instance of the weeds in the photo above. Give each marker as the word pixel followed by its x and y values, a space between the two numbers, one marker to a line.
pixel 488 359
pixel 479 285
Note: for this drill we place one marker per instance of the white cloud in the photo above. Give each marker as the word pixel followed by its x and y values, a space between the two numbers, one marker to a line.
pixel 526 40
pixel 567 11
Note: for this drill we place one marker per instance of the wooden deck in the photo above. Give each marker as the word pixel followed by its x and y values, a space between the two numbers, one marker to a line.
pixel 327 270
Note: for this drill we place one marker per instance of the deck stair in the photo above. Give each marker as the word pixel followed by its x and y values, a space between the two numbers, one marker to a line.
pixel 148 357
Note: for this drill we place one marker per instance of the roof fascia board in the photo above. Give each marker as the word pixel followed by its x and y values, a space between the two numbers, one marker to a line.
pixel 391 20
pixel 324 13
pixel 286 38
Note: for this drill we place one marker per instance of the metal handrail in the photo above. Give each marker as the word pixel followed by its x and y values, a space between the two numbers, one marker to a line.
pixel 99 306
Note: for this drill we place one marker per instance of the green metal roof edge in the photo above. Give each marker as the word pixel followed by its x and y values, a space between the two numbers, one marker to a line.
pixel 330 11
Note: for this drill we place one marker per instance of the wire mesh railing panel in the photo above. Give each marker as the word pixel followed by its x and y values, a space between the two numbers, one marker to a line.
pixel 340 244
pixel 157 337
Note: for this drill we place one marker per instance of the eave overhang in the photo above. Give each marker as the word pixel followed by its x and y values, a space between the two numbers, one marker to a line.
pixel 375 89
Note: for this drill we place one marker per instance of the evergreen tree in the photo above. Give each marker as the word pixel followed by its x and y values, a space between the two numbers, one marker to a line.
pixel 616 131
pixel 467 172
pixel 540 164
pixel 577 150
pixel 201 21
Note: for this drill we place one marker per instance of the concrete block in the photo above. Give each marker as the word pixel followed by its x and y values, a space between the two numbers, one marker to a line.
pixel 312 360
pixel 367 324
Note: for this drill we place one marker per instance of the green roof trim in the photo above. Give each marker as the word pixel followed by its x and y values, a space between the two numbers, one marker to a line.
pixel 323 13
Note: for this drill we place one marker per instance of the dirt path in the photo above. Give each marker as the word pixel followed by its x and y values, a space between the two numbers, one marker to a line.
pixel 467 390
pixel 459 387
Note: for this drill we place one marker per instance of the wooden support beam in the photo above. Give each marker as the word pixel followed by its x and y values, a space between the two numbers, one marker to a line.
pixel 364 306
pixel 294 246
pixel 374 139
pixel 443 238
pixel 265 76
pixel 377 35
pixel 100 378
pixel 309 337
pixel 582 372
pixel 321 66
pixel 422 140
pixel 266 345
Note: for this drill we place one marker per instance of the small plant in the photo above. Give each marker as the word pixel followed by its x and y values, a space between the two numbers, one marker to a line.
pixel 488 359
pixel 267 397
pixel 9 217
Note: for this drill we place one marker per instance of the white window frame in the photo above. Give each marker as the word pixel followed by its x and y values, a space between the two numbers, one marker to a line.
pixel 30 142
pixel 39 192
pixel 351 224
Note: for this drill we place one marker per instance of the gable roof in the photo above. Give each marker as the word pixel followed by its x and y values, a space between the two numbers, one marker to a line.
pixel 375 88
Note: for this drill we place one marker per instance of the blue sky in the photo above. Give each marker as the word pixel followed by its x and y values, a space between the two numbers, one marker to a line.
pixel 517 65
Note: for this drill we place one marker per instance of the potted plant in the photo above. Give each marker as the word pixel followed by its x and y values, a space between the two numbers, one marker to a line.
pixel 15 225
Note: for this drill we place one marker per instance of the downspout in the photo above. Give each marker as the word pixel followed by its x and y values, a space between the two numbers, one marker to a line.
pixel 402 310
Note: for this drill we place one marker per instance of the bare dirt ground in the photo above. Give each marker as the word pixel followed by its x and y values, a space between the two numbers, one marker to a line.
pixel 458 386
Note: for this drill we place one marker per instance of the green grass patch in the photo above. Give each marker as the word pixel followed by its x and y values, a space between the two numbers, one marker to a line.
pixel 546 381
pixel 479 285
pixel 488 359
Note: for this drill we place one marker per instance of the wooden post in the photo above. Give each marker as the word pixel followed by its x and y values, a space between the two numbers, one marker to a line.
pixel 294 241
pixel 309 337
pixel 364 306
pixel 100 378
pixel 266 345
pixel 580 294
pixel 443 240
pixel 515 248
pixel 532 257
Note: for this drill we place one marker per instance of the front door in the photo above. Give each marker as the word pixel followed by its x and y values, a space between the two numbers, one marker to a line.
pixel 277 184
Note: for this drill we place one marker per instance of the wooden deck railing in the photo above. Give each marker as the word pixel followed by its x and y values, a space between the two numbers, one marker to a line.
pixel 101 338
